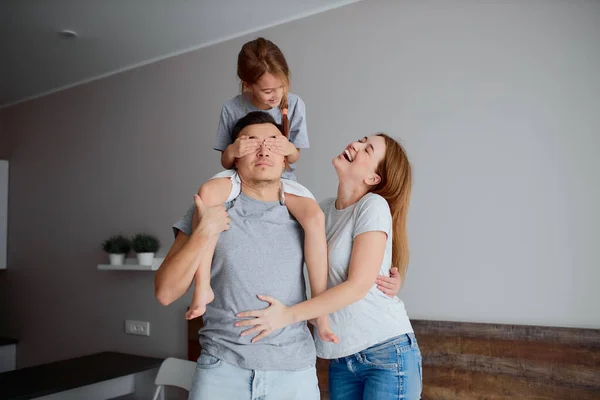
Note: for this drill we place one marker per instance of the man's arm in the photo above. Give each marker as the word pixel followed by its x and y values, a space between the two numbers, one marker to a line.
pixel 176 273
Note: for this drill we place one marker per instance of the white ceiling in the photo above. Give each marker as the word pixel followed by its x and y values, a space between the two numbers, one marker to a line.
pixel 115 35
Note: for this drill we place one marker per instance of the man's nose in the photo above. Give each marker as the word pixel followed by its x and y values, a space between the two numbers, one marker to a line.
pixel 263 150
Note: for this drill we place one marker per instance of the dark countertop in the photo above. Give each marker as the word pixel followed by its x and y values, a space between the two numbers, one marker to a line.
pixel 6 340
pixel 45 379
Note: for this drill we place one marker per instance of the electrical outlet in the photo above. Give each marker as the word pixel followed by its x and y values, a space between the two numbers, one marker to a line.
pixel 141 328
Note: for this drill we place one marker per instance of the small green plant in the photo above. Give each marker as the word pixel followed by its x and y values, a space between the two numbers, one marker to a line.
pixel 144 243
pixel 116 244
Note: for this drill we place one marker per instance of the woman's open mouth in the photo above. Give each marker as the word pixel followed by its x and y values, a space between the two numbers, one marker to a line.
pixel 347 155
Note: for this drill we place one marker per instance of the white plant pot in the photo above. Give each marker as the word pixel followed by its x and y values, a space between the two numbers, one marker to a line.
pixel 116 259
pixel 145 258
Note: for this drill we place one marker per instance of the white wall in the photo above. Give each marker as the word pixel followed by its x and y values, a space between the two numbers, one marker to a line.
pixel 497 103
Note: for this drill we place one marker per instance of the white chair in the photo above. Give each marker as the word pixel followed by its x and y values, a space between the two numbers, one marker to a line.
pixel 174 372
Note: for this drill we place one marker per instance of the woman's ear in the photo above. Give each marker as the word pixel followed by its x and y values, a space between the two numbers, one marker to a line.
pixel 373 180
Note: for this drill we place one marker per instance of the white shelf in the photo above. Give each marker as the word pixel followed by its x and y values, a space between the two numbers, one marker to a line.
pixel 132 265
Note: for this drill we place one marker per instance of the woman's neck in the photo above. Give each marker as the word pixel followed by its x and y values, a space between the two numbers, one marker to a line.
pixel 348 195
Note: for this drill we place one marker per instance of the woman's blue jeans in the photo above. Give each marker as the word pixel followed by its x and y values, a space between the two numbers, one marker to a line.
pixel 388 370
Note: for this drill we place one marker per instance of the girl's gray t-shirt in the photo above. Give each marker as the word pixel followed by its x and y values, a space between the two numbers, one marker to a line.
pixel 261 253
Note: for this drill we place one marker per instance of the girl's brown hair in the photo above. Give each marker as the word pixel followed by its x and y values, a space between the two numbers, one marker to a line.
pixel 395 187
pixel 260 56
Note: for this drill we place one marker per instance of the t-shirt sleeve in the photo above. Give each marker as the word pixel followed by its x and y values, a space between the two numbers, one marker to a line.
pixel 226 123
pixel 298 133
pixel 372 214
pixel 185 223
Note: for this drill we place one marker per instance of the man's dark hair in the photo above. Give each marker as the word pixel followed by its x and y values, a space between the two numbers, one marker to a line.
pixel 254 118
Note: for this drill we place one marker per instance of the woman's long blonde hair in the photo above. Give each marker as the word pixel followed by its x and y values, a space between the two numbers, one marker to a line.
pixel 395 187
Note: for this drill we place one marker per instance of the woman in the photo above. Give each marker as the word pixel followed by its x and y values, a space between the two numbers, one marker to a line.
pixel 377 356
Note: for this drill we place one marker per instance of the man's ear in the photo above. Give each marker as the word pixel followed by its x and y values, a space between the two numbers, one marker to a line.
pixel 373 180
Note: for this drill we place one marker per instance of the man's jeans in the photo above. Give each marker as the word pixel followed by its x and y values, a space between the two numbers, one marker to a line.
pixel 389 370
pixel 215 379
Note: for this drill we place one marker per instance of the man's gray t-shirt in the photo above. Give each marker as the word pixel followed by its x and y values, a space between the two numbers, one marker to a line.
pixel 240 105
pixel 261 253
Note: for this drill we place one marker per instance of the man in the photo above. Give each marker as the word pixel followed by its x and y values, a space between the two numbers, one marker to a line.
pixel 259 250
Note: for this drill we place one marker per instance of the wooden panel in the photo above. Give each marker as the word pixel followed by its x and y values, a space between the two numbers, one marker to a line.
pixel 529 333
pixel 509 349
pixel 194 347
pixel 453 383
pixel 493 361
pixel 323 374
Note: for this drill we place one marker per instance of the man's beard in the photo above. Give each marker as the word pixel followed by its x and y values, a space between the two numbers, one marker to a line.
pixel 259 180
pixel 259 183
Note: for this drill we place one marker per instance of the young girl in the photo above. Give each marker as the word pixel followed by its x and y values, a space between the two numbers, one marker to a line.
pixel 265 78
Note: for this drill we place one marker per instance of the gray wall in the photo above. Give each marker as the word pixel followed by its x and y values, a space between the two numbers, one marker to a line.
pixel 496 102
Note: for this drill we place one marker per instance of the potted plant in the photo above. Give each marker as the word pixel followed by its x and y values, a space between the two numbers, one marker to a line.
pixel 145 247
pixel 117 246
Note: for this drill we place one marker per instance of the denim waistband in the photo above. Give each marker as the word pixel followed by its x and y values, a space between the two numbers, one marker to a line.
pixel 407 339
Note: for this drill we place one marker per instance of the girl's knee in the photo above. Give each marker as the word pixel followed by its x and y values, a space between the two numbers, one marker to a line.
pixel 215 191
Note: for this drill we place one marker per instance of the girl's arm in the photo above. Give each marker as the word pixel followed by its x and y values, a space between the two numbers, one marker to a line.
pixel 229 147
pixel 294 154
pixel 227 157
pixel 365 262
pixel 242 146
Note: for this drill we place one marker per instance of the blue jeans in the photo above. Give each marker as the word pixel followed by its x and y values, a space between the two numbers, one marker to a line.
pixel 388 370
pixel 215 379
